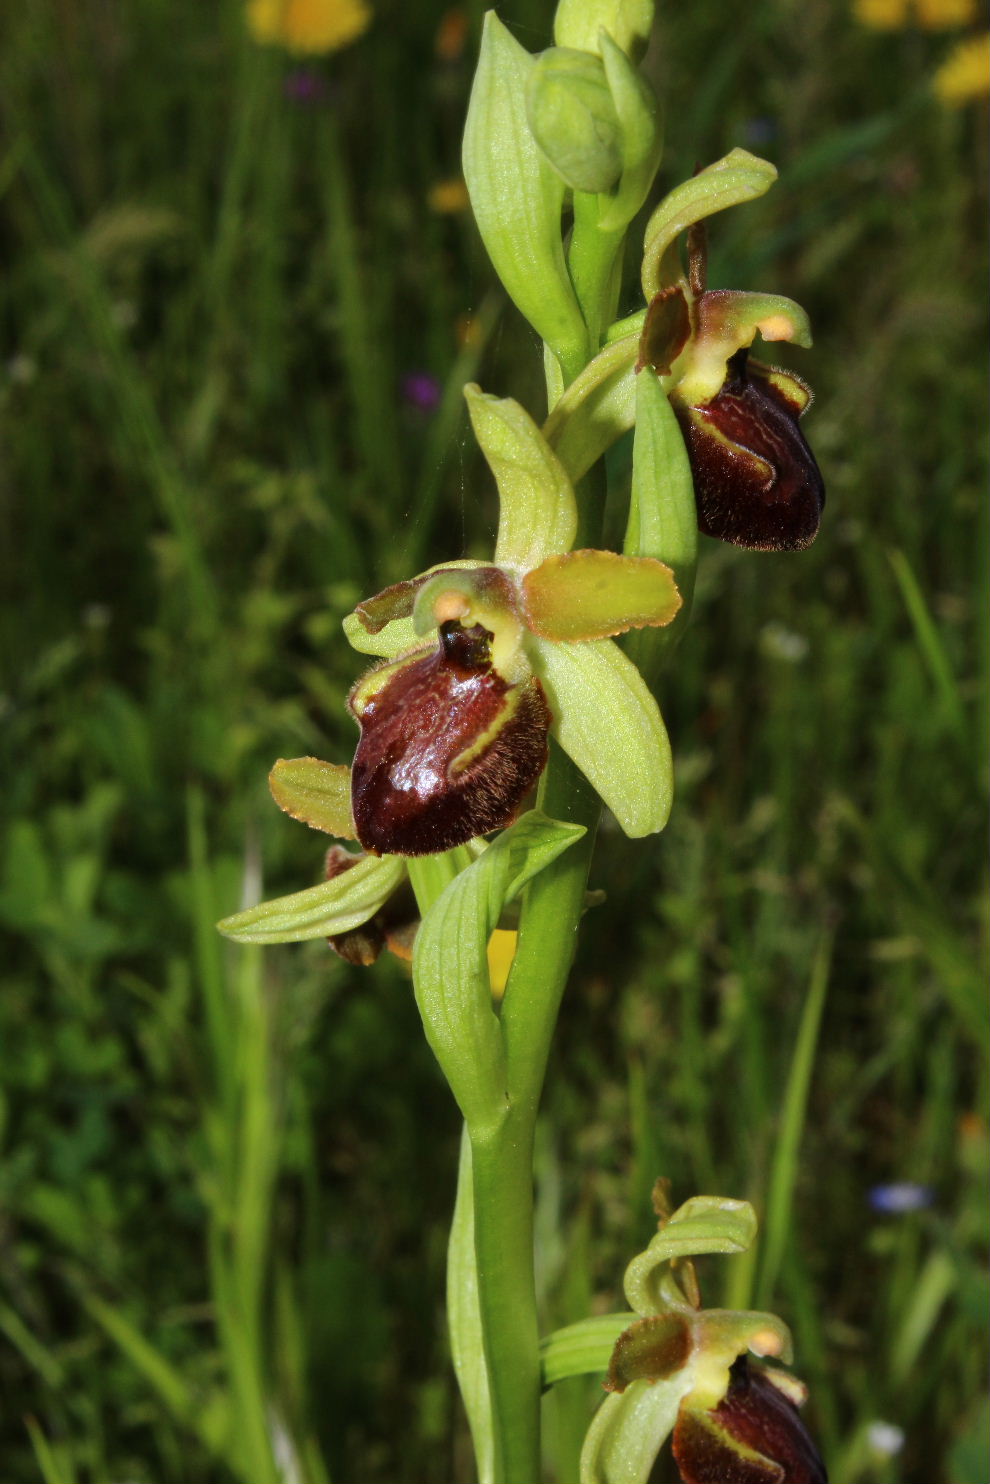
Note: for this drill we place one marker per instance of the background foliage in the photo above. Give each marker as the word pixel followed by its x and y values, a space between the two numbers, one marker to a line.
pixel 225 1179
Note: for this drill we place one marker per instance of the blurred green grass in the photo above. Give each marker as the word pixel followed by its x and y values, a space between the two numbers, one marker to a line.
pixel 225 1179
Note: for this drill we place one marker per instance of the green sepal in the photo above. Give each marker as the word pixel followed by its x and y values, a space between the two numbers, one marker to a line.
pixel 581 1349
pixel 629 1429
pixel 608 722
pixel 516 196
pixel 579 23
pixel 640 137
pixel 663 517
pixel 537 509
pixel 322 911
pixel 703 1224
pixel 450 964
pixel 737 177
pixel 315 792
pixel 596 594
pixel 596 409
pixel 573 118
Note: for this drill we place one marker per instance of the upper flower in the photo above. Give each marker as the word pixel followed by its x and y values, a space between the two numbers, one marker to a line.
pixel 756 480
pixel 485 660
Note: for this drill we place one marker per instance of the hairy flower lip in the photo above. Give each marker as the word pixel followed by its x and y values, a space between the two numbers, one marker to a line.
pixel 448 750
pixel 754 1435
pixel 757 483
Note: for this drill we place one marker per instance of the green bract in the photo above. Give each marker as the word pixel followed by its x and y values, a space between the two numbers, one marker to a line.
pixel 516 195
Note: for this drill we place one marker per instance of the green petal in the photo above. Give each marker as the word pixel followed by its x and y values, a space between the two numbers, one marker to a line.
pixel 596 409
pixel 383 624
pixel 315 792
pixel 607 720
pixel 323 911
pixel 595 594
pixel 737 177
pixel 728 321
pixel 516 196
pixel 537 510
pixel 581 1349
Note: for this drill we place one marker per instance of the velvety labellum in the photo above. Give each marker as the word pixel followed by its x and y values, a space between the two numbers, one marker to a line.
pixel 756 480
pixel 448 748
pixel 754 1436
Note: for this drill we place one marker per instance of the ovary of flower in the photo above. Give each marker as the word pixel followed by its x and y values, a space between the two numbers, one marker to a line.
pixel 308 27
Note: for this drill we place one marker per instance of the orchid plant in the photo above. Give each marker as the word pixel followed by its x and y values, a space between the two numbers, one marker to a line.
pixel 513 699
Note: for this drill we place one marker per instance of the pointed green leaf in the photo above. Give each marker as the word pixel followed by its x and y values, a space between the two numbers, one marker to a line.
pixel 322 911
pixel 608 722
pixel 537 510
pixel 737 177
pixel 596 409
pixel 595 594
pixel 663 518
pixel 516 196
pixel 450 964
pixel 315 792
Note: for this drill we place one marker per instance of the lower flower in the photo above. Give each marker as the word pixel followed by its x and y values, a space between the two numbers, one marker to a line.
pixel 754 1435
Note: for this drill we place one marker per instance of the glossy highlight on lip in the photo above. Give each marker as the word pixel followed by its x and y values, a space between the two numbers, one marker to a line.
pixel 448 749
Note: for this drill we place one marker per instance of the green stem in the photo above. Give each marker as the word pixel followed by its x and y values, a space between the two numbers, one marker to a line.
pixel 502 1159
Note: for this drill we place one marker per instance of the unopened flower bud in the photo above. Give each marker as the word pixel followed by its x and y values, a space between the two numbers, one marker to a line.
pixel 573 118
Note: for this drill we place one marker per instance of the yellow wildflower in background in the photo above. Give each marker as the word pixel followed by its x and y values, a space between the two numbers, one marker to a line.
pixel 448 197
pixel 308 26
pixel 930 15
pixel 965 73
pixel 501 952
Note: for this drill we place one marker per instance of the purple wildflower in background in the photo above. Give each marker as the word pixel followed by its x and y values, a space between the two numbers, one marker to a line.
pixel 304 85
pixel 420 390
pixel 900 1197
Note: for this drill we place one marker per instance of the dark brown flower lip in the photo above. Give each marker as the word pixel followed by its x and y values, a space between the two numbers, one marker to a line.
pixel 757 483
pixel 755 1435
pixel 448 749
